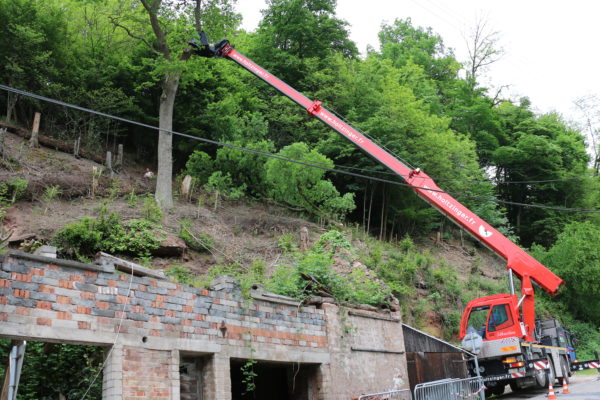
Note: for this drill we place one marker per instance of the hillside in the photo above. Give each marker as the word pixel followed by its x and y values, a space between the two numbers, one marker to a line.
pixel 243 233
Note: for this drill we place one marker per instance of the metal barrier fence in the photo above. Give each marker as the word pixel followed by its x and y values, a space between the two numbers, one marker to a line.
pixel 451 389
pixel 393 395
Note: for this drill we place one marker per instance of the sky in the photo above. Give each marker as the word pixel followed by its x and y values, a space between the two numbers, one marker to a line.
pixel 551 51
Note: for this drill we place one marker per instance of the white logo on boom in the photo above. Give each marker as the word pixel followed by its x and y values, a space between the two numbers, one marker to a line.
pixel 484 232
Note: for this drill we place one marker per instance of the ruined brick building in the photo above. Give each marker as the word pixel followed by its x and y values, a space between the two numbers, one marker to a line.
pixel 163 340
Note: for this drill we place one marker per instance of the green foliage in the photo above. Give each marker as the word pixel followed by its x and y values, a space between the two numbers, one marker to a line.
pixel 292 32
pixel 331 242
pixel 199 166
pixel 53 369
pixel 82 239
pixel 196 241
pixel 180 274
pixel 223 184
pixel 151 210
pixel 575 257
pixel 299 186
pixel 12 190
pixel 547 149
pixel 248 375
pixel 313 274
pixel 50 193
pixel 287 243
pixel 400 269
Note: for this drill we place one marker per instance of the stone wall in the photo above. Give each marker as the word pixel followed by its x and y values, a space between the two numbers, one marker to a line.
pixel 147 325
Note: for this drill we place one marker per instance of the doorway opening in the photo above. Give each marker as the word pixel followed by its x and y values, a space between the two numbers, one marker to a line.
pixel 272 381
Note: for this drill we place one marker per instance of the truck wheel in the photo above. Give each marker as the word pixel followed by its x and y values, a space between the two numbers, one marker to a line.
pixel 565 371
pixel 550 371
pixel 541 379
pixel 497 390
pixel 514 386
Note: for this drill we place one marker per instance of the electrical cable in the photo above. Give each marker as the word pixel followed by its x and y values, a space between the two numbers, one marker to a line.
pixel 278 157
pixel 116 337
pixel 58 102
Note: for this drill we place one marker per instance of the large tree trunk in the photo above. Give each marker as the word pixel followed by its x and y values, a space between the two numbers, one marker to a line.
pixel 164 192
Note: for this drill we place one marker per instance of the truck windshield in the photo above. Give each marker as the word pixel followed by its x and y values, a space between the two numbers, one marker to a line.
pixel 478 318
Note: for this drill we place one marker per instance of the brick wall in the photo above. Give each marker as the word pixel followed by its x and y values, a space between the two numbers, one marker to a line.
pixel 146 323
pixel 91 305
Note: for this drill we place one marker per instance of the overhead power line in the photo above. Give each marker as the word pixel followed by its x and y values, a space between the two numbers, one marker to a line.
pixel 286 159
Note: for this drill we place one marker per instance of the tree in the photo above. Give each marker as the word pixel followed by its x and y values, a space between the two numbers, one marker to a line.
pixel 589 107
pixel 304 187
pixel 483 48
pixel 172 22
pixel 575 257
pixel 293 31
pixel 550 160
pixel 30 36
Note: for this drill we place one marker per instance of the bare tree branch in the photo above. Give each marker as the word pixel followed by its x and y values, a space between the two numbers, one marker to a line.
pixel 483 48
pixel 161 38
pixel 132 35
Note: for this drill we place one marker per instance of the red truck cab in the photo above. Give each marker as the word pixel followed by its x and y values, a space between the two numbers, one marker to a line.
pixel 493 317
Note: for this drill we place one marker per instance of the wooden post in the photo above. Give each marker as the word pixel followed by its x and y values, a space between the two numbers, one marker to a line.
pixel 76 147
pixel 95 177
pixel 303 238
pixel 119 162
pixel 33 142
pixel 2 136
pixel 109 163
pixel 186 187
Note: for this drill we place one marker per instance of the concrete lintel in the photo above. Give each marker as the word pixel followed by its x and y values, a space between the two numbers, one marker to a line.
pixel 274 298
pixel 96 338
pixel 276 353
pixel 57 261
pixel 105 259
pixel 373 315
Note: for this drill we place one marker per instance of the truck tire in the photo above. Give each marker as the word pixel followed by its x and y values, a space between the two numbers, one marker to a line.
pixel 541 379
pixel 565 371
pixel 497 390
pixel 514 386
pixel 550 371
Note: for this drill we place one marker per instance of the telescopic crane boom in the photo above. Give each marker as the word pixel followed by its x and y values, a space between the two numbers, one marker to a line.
pixel 527 269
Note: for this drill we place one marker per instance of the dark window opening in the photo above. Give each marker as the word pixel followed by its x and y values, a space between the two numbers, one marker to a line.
pixel 192 377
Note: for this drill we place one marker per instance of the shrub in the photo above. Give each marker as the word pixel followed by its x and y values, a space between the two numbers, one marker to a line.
pixel 84 238
pixel 151 210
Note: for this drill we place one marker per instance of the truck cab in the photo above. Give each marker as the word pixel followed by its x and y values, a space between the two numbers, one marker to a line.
pixel 493 317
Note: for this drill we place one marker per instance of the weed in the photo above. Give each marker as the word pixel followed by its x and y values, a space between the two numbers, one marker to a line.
pixel 151 210
pixel 51 193
pixel 132 198
pixel 180 274
pixel 287 243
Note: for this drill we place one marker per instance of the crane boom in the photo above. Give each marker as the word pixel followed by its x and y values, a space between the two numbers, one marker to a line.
pixel 520 262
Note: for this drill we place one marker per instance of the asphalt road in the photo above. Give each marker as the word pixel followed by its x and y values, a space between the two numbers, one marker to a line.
pixel 582 387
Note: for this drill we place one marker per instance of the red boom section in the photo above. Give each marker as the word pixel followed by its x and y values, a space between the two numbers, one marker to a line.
pixel 519 261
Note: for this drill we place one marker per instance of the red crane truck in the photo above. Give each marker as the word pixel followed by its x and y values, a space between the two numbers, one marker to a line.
pixel 514 348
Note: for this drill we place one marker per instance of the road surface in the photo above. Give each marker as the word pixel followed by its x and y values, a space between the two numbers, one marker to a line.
pixel 582 387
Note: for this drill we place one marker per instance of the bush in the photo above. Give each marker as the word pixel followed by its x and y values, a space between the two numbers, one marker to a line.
pixel 82 239
pixel 12 190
